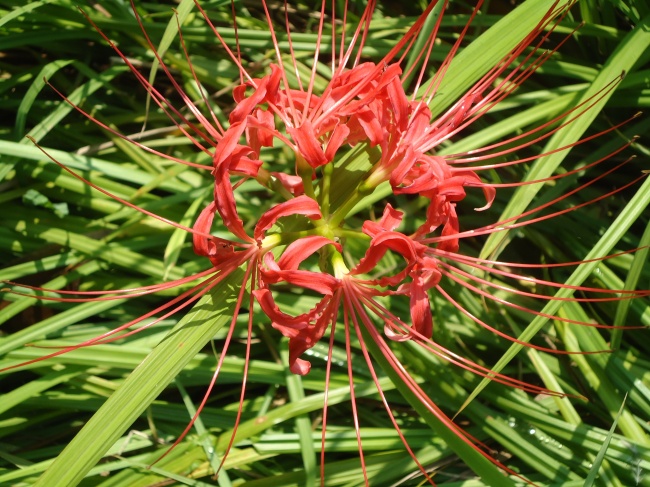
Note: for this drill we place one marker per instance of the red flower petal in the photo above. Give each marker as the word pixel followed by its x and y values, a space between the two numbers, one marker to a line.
pixel 300 205
pixel 202 245
pixel 421 317
pixel 290 324
pixel 266 90
pixel 302 248
pixel 379 245
pixel 371 129
pixel 336 140
pixel 260 129
pixel 292 183
pixel 308 144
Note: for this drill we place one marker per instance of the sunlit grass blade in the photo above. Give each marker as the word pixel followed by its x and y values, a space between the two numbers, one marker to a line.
pixel 612 236
pixel 145 383
pixel 593 474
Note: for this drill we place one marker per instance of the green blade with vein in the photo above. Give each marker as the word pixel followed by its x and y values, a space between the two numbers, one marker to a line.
pixel 623 59
pixel 145 383
pixel 616 231
pixel 484 53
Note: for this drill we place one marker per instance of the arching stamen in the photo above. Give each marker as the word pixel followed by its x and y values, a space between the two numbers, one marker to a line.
pixel 367 322
pixel 215 375
pixel 494 330
pixel 135 207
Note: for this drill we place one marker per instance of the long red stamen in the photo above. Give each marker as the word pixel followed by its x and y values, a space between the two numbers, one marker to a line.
pixel 215 375
pixel 135 207
pixel 507 225
pixel 347 310
pixel 359 309
pixel 398 326
pixel 494 330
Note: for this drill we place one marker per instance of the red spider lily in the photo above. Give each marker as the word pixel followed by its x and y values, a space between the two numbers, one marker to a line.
pixel 363 106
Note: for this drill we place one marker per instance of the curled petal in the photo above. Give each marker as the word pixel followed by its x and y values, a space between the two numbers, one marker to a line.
pixel 297 365
pixel 303 331
pixel 403 161
pixel 303 341
pixel 266 90
pixel 342 85
pixel 379 245
pixel 490 193
pixel 420 120
pixel 289 324
pixel 421 317
pixel 426 177
pixel 308 144
pixel 437 214
pixel 453 188
pixel 336 140
pixel 228 144
pixel 363 125
pixel 398 102
pixel 451 228
pixel 390 220
pixel 245 166
pixel 230 156
pixel 395 333
pixel 260 129
pixel 204 246
pixel 292 183
pixel 302 248
pixel 471 179
pixel 300 205
pixel 225 203
pixel 321 283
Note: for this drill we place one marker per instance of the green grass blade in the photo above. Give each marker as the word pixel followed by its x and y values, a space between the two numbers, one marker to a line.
pixel 485 52
pixel 591 478
pixel 146 382
pixel 633 276
pixel 171 31
pixel 303 423
pixel 616 231
pixel 621 61
pixel 204 437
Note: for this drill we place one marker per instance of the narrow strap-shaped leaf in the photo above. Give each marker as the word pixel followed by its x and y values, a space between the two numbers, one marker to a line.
pixel 146 382
pixel 485 52
pixel 171 31
pixel 631 282
pixel 488 472
pixel 591 478
pixel 616 231
pixel 621 61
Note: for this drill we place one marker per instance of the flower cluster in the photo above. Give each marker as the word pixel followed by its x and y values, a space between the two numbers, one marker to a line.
pixel 362 105
pixel 308 238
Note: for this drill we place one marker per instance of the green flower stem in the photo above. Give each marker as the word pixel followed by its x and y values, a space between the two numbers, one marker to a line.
pixel 305 171
pixel 361 191
pixel 338 264
pixel 328 170
pixel 285 238
pixel 348 233
pixel 267 180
